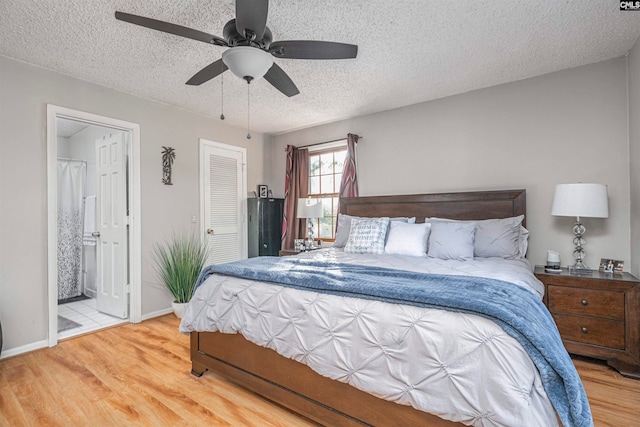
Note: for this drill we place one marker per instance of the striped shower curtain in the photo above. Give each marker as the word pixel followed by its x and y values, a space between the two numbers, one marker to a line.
pixel 71 190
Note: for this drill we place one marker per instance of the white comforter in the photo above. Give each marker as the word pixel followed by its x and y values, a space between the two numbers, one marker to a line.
pixel 458 366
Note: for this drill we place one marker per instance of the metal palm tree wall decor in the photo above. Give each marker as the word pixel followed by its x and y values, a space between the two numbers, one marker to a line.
pixel 168 156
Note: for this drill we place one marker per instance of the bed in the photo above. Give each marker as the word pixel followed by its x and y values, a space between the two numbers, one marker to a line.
pixel 335 396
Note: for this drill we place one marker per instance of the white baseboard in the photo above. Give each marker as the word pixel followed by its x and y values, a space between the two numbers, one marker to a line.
pixel 45 343
pixel 24 349
pixel 157 313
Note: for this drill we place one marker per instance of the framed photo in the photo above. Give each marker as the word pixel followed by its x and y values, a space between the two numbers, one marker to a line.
pixel 611 265
pixel 263 191
pixel 298 245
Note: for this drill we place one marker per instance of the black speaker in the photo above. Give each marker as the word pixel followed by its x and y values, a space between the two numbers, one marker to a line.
pixel 264 226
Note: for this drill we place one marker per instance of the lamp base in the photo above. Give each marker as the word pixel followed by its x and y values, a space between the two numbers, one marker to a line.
pixel 580 271
pixel 310 243
pixel 578 242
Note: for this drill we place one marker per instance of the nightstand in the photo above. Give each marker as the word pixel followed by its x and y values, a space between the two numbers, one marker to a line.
pixel 598 316
pixel 288 252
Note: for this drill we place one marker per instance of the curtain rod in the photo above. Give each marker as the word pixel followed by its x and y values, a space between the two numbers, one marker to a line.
pixel 71 160
pixel 322 143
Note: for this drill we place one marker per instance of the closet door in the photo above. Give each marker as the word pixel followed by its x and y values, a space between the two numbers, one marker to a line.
pixel 223 190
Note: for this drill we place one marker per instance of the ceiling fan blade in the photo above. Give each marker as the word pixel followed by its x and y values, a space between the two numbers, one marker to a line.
pixel 312 49
pixel 207 73
pixel 251 17
pixel 281 81
pixel 167 27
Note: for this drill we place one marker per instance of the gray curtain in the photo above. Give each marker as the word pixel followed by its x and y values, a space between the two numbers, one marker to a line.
pixel 349 184
pixel 296 186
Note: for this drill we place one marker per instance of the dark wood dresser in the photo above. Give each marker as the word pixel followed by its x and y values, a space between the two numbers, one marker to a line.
pixel 598 316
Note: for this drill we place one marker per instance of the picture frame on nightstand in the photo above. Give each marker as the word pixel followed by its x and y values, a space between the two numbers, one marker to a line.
pixel 611 265
pixel 298 245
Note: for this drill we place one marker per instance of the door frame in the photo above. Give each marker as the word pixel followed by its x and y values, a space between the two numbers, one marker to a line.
pixel 135 237
pixel 244 248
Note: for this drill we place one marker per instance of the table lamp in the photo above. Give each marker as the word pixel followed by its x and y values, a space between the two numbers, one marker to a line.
pixel 580 200
pixel 310 209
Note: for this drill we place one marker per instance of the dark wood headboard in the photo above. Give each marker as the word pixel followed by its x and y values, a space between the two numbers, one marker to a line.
pixel 467 205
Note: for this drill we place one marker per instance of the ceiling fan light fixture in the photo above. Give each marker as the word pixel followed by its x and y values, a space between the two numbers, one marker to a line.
pixel 246 61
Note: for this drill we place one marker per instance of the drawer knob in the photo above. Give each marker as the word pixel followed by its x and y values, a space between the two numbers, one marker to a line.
pixel 584 330
pixel 585 302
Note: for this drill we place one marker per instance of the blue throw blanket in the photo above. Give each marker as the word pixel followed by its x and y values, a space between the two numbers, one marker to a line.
pixel 519 312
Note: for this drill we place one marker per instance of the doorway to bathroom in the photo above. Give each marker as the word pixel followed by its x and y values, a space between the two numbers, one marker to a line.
pixel 94 234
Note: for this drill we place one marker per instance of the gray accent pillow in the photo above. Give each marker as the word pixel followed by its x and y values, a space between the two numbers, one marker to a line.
pixel 367 236
pixel 500 238
pixel 451 240
pixel 344 226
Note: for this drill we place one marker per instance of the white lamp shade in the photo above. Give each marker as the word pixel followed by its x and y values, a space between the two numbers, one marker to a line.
pixel 246 61
pixel 581 200
pixel 309 208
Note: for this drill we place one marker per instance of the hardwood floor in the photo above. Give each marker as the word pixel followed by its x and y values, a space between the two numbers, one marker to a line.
pixel 139 375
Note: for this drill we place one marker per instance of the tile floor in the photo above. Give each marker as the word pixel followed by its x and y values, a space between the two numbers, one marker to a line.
pixel 86 314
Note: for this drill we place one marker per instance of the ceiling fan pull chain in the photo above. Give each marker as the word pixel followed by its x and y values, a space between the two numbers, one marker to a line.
pixel 222 92
pixel 248 111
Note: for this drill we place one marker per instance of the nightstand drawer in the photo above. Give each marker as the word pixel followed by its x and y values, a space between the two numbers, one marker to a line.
pixel 602 332
pixel 586 302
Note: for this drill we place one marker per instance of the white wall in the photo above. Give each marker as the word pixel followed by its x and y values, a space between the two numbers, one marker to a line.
pixel 63 147
pixel 25 91
pixel 567 126
pixel 634 153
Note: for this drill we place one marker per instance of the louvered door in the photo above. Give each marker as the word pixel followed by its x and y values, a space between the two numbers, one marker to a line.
pixel 223 190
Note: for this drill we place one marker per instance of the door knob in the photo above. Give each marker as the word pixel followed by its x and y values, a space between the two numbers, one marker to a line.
pixel 96 234
pixel 209 231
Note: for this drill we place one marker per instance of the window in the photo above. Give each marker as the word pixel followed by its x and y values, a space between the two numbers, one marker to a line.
pixel 325 176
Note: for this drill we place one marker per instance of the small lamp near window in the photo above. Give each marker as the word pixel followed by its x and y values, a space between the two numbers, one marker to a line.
pixel 580 200
pixel 309 209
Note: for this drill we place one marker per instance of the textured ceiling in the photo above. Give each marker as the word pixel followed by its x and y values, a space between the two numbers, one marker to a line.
pixel 410 51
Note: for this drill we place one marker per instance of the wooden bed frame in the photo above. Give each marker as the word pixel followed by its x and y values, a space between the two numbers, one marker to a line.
pixel 297 387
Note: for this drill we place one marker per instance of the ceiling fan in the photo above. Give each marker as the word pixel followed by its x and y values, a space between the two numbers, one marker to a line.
pixel 251 50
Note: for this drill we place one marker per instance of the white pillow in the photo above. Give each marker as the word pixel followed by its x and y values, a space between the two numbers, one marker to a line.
pixel 496 237
pixel 451 240
pixel 367 236
pixel 523 242
pixel 407 239
pixel 344 226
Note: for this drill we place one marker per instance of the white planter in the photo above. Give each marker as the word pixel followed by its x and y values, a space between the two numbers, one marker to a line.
pixel 178 308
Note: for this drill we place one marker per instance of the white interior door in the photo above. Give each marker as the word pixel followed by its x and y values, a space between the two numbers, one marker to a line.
pixel 223 190
pixel 111 212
